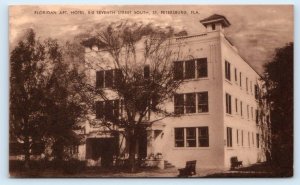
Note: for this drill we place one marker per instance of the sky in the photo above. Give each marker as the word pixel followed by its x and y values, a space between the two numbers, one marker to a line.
pixel 256 30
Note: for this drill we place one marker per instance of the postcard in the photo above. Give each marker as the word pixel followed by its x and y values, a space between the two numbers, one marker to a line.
pixel 151 91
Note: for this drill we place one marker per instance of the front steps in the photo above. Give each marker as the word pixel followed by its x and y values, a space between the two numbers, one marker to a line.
pixel 167 164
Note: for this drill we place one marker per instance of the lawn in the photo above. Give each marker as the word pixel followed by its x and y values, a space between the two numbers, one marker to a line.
pixel 259 170
pixel 47 171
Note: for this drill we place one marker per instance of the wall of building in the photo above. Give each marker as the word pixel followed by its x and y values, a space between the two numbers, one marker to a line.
pixel 207 46
pixel 213 46
pixel 246 152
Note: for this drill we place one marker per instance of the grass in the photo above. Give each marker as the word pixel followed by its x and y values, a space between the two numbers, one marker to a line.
pixel 259 170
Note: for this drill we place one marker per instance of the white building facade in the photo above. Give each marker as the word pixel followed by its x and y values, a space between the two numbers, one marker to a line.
pixel 216 102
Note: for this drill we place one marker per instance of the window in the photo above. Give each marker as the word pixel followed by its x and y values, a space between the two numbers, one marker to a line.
pixel 187 137
pixel 229 137
pixel 268 119
pixel 189 69
pixel 146 71
pixel 248 111
pixel 241 107
pixel 99 109
pixel 179 103
pixel 235 74
pixel 108 78
pixel 227 70
pixel 249 139
pixel 237 136
pixel 179 137
pixel 99 79
pixel 186 103
pixel 73 149
pixel 240 79
pixel 178 70
pixel 256 91
pixel 190 103
pixel 242 134
pixel 203 139
pixel 213 27
pixel 246 84
pixel 252 113
pixel 236 105
pixel 107 109
pixel 256 116
pixel 191 137
pixel 203 102
pixel 228 103
pixel 257 140
pixel 251 86
pixel 202 67
pixel 252 138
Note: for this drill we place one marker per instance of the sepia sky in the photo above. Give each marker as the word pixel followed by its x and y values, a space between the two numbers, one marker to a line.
pixel 255 30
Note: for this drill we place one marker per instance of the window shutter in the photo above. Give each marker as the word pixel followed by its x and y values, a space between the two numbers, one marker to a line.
pixel 109 110
pixel 99 79
pixel 146 71
pixel 118 79
pixel 99 109
pixel 116 109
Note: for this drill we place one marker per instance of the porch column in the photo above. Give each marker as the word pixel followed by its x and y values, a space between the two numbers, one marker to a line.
pixel 150 142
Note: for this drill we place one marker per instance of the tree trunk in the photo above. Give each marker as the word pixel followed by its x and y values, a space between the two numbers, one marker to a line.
pixel 26 143
pixel 132 150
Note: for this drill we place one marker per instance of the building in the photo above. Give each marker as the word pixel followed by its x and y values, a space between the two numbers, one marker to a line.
pixel 217 101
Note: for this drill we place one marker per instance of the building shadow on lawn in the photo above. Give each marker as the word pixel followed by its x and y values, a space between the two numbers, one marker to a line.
pixel 259 170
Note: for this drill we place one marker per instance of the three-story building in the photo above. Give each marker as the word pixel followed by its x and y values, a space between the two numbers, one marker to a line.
pixel 217 104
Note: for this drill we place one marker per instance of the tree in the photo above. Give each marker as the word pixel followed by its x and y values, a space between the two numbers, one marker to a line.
pixel 63 98
pixel 279 83
pixel 141 56
pixel 26 91
pixel 44 99
pixel 263 120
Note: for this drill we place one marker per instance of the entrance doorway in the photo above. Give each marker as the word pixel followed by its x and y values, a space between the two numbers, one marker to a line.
pixel 142 144
pixel 104 148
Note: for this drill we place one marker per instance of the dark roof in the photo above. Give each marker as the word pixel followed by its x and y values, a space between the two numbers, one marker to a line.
pixel 215 18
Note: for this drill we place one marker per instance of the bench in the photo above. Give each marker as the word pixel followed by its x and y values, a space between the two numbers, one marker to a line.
pixel 235 162
pixel 189 170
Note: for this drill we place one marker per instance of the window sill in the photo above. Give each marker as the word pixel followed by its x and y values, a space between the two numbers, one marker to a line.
pixel 195 79
pixel 193 114
pixel 230 115
pixel 191 148
pixel 106 88
pixel 228 81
